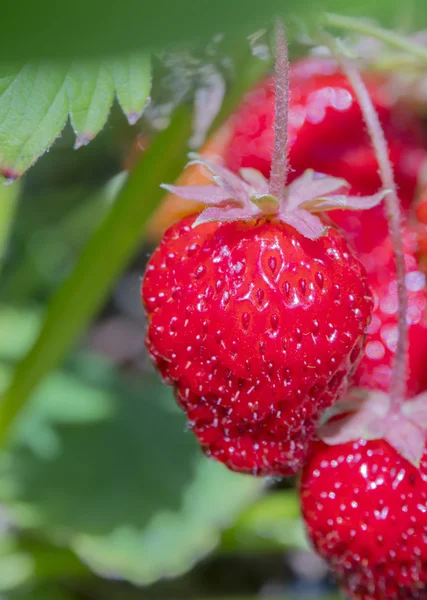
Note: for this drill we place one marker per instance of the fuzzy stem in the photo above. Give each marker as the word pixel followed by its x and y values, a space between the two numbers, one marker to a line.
pixel 279 164
pixel 392 206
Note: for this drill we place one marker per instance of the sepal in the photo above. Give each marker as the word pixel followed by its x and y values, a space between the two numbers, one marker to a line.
pixel 247 196
pixel 373 418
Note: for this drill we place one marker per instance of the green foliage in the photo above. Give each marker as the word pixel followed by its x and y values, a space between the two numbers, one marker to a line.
pixel 173 541
pixel 96 461
pixel 19 330
pixel 36 99
pixel 84 89
pixel 24 561
pixel 272 523
pixel 8 199
pixel 107 252
pixel 51 238
pixel 43 592
pixel 16 566
pixel 395 40
pixel 89 458
pixel 49 29
pixel 104 463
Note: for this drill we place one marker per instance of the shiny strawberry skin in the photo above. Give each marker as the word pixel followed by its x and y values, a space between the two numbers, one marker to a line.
pixel 420 225
pixel 365 511
pixel 327 134
pixel 257 329
pixel 374 370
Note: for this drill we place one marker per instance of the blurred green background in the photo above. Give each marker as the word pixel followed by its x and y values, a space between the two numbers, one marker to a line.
pixel 103 493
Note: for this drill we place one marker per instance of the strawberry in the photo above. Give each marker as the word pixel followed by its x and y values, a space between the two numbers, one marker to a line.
pixel 256 316
pixel 365 511
pixel 327 134
pixel 420 225
pixel 374 370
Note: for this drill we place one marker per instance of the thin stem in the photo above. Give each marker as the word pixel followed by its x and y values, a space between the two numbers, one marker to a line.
pixel 279 165
pixel 392 205
pixel 396 40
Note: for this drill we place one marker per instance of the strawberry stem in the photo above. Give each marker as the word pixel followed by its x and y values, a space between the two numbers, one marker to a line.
pixel 393 213
pixel 279 165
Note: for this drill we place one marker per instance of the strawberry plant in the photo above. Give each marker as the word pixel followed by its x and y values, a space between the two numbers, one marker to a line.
pixel 243 301
pixel 265 200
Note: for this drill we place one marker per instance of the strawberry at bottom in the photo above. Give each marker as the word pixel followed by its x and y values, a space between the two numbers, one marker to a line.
pixel 365 510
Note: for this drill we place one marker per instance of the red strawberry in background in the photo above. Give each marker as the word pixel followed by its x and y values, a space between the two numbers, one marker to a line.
pixel 374 370
pixel 327 134
pixel 365 510
pixel 420 225
pixel 255 317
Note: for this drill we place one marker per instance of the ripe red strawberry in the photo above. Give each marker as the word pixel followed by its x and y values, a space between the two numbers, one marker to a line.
pixel 420 225
pixel 327 134
pixel 374 370
pixel 365 510
pixel 256 322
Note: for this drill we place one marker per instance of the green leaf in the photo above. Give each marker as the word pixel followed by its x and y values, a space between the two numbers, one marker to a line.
pixel 101 261
pixel 35 102
pixel 107 468
pixel 46 28
pixel 173 541
pixel 88 459
pixel 132 86
pixel 33 111
pixel 90 93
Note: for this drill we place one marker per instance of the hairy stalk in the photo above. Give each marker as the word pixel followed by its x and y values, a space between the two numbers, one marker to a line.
pixel 392 204
pixel 279 165
pixel 393 39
